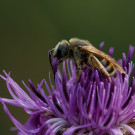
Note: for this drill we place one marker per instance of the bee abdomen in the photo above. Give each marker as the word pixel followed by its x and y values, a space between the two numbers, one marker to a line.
pixel 109 67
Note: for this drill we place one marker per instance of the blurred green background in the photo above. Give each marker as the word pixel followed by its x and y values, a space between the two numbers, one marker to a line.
pixel 28 29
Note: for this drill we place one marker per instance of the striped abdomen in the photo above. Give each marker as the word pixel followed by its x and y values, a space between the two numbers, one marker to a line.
pixel 108 66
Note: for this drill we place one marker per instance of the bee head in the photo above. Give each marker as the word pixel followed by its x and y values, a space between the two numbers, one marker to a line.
pixel 60 51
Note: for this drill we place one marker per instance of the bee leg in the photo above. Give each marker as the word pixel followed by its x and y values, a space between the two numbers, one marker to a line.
pixel 79 69
pixel 97 64
pixel 78 73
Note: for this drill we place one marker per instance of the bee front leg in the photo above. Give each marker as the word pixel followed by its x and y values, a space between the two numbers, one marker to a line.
pixel 78 73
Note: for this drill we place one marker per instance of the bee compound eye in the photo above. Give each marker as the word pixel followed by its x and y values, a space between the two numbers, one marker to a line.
pixel 61 51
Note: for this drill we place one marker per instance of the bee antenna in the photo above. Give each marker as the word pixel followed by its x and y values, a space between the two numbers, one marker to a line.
pixel 50 56
pixel 50 52
pixel 51 59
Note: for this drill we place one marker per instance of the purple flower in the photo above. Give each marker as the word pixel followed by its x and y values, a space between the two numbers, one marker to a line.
pixel 92 106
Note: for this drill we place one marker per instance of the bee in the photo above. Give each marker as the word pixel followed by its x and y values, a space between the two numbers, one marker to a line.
pixel 85 54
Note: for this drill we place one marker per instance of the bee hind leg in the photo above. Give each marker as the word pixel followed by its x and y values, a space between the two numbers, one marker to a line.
pixel 97 64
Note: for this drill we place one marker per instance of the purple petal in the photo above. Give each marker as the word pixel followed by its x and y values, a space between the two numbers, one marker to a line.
pixel 111 51
pixel 130 52
pixel 101 46
pixel 116 131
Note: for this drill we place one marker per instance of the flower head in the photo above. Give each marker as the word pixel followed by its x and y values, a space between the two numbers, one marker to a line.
pixel 91 106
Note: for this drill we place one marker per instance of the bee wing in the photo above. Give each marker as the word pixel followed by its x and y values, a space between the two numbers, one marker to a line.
pixel 91 49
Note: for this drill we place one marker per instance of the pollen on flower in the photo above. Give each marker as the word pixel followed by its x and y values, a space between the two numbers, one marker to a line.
pixel 92 106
